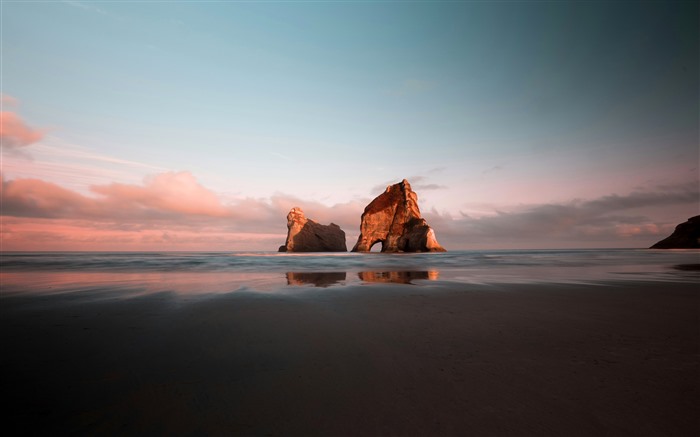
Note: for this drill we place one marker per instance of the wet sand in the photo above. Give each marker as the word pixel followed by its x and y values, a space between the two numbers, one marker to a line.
pixel 383 359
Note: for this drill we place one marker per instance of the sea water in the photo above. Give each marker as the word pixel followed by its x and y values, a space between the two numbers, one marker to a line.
pixel 221 272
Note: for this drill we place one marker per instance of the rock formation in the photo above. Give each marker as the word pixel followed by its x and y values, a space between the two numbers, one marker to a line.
pixel 393 219
pixel 686 236
pixel 304 235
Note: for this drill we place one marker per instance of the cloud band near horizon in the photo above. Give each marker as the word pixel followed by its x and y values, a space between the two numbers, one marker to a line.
pixel 173 211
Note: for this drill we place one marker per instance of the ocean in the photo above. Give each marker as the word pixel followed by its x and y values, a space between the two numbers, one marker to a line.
pixel 222 272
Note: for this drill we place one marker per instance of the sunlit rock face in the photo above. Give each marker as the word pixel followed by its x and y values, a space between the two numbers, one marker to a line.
pixel 304 235
pixel 393 219
pixel 686 236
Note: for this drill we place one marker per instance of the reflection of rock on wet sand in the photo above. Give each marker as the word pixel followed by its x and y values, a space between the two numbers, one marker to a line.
pixel 326 279
pixel 398 277
pixel 319 279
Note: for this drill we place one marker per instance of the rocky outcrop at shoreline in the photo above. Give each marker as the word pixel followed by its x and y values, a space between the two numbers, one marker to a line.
pixel 305 235
pixel 393 219
pixel 685 236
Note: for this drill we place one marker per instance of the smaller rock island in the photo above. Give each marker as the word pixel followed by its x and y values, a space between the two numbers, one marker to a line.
pixel 305 235
pixel 685 236
pixel 393 219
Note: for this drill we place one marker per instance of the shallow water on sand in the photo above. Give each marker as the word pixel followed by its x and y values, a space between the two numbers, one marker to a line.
pixel 216 272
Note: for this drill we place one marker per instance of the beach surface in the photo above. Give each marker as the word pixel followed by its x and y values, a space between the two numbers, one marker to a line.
pixel 398 356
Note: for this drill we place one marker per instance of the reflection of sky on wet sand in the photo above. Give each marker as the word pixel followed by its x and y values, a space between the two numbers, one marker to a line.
pixel 115 274
pixel 141 282
pixel 193 283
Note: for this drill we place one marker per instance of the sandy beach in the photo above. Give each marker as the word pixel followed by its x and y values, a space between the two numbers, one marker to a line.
pixel 616 358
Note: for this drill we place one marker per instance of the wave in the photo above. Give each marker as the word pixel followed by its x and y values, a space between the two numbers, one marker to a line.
pixel 589 263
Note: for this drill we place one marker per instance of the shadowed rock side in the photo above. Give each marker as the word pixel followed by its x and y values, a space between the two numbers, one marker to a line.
pixel 686 236
pixel 304 235
pixel 393 219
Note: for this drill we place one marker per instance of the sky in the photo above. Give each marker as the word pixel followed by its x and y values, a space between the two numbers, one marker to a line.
pixel 177 125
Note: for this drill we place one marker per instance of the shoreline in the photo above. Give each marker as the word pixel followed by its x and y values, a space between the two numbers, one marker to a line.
pixel 437 358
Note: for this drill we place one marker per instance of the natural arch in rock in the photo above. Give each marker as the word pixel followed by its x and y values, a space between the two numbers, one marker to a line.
pixel 393 218
pixel 377 246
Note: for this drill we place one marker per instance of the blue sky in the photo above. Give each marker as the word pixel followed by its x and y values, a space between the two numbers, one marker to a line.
pixel 492 109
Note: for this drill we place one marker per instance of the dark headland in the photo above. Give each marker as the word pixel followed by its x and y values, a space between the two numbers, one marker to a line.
pixel 685 236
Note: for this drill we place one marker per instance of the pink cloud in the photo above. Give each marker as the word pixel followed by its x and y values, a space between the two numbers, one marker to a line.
pixel 173 211
pixel 8 100
pixel 169 211
pixel 14 132
pixel 176 192
pixel 166 195
pixel 37 198
pixel 48 234
pixel 649 229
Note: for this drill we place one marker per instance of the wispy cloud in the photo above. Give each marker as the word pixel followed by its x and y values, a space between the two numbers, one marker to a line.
pixel 418 183
pixel 428 187
pixel 73 152
pixel 494 169
pixel 281 156
pixel 86 6
pixel 72 165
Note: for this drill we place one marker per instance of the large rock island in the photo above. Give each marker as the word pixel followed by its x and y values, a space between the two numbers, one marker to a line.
pixel 686 236
pixel 304 235
pixel 393 219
